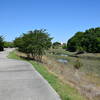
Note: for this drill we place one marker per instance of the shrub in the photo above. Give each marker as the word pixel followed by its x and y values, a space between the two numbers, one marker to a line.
pixel 77 64
pixel 34 43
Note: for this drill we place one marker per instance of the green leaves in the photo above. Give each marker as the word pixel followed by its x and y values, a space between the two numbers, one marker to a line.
pixel 34 43
pixel 8 44
pixel 85 41
pixel 56 45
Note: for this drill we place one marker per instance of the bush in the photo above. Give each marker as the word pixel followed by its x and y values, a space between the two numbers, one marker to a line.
pixel 77 64
pixel 34 43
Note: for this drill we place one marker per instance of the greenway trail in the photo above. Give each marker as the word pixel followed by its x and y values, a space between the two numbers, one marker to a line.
pixel 20 81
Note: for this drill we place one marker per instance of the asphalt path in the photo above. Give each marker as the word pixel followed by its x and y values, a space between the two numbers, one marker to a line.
pixel 20 81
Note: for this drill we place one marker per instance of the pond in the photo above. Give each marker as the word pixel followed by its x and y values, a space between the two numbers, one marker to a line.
pixel 62 60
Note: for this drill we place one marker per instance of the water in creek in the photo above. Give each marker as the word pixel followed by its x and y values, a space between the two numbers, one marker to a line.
pixel 64 55
pixel 62 60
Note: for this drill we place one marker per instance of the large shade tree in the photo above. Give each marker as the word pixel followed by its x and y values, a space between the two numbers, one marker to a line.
pixel 88 41
pixel 34 43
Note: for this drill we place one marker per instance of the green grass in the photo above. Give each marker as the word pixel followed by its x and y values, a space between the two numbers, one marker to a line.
pixel 65 91
pixel 12 55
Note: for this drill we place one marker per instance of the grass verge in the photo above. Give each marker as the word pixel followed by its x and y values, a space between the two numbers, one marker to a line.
pixel 65 91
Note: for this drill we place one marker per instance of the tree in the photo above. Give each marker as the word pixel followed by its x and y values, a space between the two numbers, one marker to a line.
pixel 1 44
pixel 56 44
pixel 88 41
pixel 34 43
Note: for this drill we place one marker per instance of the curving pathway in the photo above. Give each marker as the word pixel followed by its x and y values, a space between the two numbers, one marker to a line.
pixel 20 81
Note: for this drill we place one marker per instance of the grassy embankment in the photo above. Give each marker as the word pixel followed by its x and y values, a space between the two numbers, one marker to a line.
pixel 90 61
pixel 65 91
pixel 88 74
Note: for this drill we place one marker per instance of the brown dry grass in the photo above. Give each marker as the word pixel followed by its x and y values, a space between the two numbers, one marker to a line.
pixel 86 84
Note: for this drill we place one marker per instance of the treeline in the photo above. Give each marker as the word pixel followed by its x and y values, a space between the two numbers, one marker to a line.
pixel 88 41
pixel 34 43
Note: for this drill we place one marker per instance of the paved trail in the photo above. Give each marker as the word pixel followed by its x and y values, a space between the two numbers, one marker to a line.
pixel 20 81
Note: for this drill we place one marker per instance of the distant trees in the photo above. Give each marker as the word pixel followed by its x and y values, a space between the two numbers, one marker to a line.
pixel 64 46
pixel 56 44
pixel 1 43
pixel 88 41
pixel 8 44
pixel 34 43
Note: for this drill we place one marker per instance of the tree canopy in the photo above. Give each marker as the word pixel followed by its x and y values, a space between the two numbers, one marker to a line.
pixel 34 43
pixel 88 41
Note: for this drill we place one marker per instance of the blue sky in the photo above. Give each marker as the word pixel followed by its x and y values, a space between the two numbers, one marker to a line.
pixel 61 18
